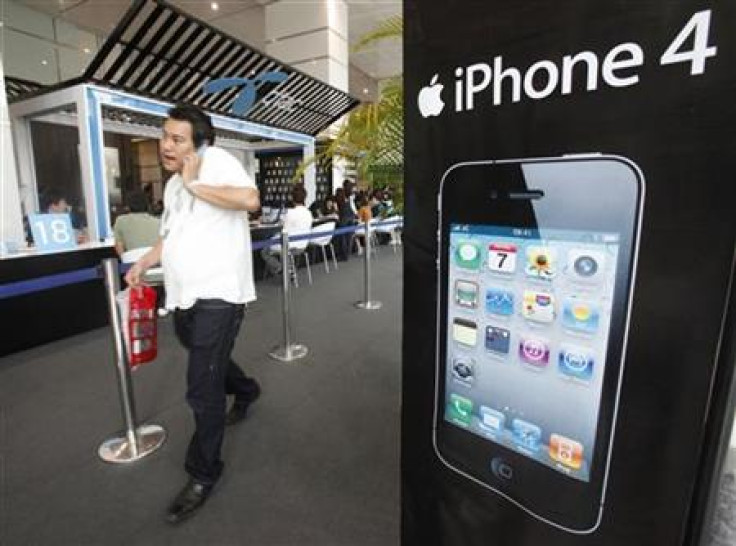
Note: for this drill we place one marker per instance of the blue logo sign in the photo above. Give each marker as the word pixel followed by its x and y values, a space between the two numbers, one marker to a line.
pixel 247 96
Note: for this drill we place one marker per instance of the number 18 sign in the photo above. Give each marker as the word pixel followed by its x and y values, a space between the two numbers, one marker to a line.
pixel 52 231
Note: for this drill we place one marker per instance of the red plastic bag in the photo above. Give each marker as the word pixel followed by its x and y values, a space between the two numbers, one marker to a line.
pixel 138 316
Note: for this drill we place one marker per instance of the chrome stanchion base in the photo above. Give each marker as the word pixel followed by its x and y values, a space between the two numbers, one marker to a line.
pixel 119 449
pixel 368 305
pixel 291 352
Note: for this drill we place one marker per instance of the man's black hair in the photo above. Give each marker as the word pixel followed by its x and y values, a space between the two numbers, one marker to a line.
pixel 299 194
pixel 137 201
pixel 202 129
pixel 50 197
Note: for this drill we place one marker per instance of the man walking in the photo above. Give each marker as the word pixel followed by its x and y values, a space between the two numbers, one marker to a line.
pixel 205 252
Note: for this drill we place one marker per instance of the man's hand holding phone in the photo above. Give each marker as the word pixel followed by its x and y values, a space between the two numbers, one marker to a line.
pixel 190 170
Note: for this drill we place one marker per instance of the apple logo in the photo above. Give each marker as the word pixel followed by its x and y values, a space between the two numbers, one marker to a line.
pixel 429 100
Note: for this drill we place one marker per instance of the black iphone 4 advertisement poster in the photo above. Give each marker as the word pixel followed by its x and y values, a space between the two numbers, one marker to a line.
pixel 569 245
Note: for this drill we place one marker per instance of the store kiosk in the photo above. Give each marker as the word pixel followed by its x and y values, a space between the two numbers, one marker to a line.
pixel 155 57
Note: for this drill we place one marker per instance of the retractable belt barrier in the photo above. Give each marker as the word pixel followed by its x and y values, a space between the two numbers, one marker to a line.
pixel 47 282
pixel 289 352
pixel 138 441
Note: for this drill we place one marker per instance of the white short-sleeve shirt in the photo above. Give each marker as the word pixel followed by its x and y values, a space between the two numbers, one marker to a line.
pixel 206 249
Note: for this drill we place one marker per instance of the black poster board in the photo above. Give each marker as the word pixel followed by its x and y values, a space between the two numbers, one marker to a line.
pixel 663 95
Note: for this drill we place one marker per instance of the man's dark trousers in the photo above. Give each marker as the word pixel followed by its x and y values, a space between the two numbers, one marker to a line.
pixel 208 330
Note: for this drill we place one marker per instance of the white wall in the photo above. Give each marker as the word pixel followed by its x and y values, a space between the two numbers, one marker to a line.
pixel 11 228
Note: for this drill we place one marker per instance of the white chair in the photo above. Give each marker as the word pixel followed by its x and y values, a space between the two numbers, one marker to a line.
pixel 296 249
pixel 324 241
pixel 394 230
pixel 360 236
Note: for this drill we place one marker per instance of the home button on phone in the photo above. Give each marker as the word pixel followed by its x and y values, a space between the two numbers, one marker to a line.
pixel 501 468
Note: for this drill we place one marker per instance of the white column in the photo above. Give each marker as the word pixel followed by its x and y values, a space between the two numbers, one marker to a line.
pixel 11 228
pixel 311 37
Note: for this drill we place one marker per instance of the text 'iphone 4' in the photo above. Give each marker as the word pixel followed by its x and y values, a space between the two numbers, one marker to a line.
pixel 537 260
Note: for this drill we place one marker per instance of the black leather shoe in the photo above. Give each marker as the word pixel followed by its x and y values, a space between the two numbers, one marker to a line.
pixel 239 409
pixel 188 501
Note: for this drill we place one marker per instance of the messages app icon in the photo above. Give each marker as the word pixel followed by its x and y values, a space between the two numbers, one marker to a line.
pixel 467 255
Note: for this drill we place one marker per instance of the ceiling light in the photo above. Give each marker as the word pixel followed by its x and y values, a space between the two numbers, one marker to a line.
pixel 365 90
pixel 87 50
pixel 44 62
pixel 215 6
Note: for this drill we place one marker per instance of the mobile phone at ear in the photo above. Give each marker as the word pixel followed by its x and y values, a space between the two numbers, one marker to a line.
pixel 201 150
pixel 536 272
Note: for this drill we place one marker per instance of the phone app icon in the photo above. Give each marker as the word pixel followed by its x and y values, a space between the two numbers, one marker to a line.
pixel 498 340
pixel 465 332
pixel 466 294
pixel 576 362
pixel 566 451
pixel 526 434
pixel 534 351
pixel 502 257
pixel 491 420
pixel 585 265
pixel 460 410
pixel 541 262
pixel 500 302
pixel 580 315
pixel 463 369
pixel 467 255
pixel 538 306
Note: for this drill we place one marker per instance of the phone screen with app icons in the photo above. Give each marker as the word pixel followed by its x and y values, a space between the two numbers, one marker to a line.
pixel 528 328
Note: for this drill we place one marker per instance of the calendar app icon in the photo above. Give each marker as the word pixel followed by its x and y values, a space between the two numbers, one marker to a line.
pixel 502 257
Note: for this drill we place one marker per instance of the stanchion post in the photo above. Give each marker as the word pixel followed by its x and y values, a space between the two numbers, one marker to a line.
pixel 367 304
pixel 137 441
pixel 289 351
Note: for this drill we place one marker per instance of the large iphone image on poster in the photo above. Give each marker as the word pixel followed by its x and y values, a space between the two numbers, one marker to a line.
pixel 536 261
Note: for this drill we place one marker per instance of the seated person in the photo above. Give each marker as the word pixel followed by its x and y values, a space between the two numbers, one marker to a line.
pixel 329 209
pixel 137 229
pixel 365 213
pixel 297 220
pixel 316 209
pixel 364 216
pixel 376 204
pixel 54 202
